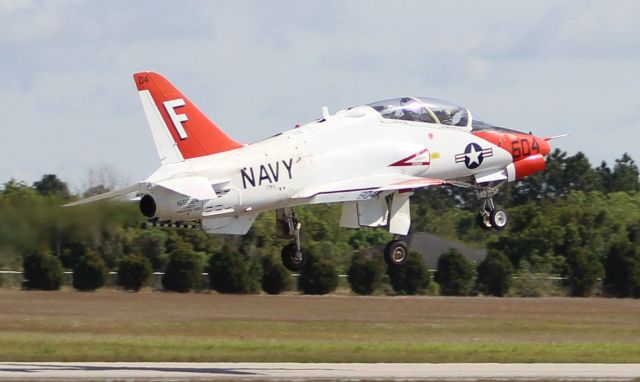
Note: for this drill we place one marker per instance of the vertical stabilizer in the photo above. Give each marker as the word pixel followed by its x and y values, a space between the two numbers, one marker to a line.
pixel 180 130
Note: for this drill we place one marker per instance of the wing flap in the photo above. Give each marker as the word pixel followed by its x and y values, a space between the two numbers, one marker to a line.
pixel 352 189
pixel 415 182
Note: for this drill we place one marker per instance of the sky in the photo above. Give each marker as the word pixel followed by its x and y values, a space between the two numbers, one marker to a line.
pixel 69 105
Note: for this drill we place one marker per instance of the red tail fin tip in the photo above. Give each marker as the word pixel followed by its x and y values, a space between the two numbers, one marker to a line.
pixel 194 133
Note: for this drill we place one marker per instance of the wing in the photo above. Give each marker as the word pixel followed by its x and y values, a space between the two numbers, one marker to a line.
pixel 195 187
pixel 363 188
pixel 107 195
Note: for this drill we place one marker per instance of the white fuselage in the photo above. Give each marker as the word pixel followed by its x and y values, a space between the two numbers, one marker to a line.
pixel 275 172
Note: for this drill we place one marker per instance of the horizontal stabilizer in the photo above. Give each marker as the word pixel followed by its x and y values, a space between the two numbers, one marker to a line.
pixel 195 187
pixel 107 195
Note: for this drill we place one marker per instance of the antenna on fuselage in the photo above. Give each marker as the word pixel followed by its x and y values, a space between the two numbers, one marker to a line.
pixel 325 112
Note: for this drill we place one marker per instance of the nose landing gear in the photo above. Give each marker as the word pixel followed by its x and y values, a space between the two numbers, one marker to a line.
pixel 490 216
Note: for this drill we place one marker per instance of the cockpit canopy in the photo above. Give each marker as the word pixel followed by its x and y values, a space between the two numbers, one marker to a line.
pixel 422 109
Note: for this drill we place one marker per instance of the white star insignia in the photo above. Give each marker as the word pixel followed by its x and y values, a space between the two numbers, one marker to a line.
pixel 473 155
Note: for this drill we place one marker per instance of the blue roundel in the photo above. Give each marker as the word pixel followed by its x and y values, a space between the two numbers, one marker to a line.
pixel 473 156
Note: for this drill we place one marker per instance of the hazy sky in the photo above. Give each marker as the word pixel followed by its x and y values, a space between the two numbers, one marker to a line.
pixel 69 103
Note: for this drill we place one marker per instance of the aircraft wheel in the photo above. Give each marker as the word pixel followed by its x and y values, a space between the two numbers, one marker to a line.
pixel 293 259
pixel 499 219
pixel 396 253
pixel 483 221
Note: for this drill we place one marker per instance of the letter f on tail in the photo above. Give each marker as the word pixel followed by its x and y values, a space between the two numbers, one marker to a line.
pixel 180 130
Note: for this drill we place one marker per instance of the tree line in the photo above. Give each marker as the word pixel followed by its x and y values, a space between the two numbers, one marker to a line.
pixel 577 223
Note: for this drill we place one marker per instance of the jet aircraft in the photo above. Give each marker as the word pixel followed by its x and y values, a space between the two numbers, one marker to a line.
pixel 369 158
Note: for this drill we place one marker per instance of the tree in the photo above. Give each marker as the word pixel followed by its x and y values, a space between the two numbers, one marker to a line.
pixel 14 188
pixel 95 190
pixel 90 272
pixel 151 243
pixel 42 271
pixel 411 278
pixel 554 184
pixel 633 232
pixel 318 276
pixel 365 273
pixel 622 270
pixel 71 252
pixel 134 271
pixel 231 272
pixel 579 175
pixel 364 238
pixel 454 274
pixel 50 185
pixel 625 175
pixel 184 269
pixel 564 174
pixel 102 179
pixel 494 274
pixel 533 234
pixel 606 176
pixel 111 246
pixel 584 271
pixel 275 277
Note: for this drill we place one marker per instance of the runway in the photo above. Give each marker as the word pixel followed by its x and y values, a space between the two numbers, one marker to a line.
pixel 156 371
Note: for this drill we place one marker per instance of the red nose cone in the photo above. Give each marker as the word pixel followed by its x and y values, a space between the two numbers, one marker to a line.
pixel 545 147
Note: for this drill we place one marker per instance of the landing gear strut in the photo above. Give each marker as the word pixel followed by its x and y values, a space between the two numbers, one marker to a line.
pixel 292 256
pixel 490 216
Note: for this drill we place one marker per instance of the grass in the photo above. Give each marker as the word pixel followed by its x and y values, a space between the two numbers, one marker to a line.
pixel 207 327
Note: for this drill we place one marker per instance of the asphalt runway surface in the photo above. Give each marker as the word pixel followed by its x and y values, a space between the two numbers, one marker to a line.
pixel 157 371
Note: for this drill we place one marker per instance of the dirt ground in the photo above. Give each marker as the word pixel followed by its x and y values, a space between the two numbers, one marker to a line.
pixel 156 326
pixel 146 305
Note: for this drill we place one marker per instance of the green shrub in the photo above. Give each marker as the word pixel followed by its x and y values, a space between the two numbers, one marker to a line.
pixel 71 253
pixel 495 275
pixel 184 269
pixel 233 272
pixel 318 276
pixel 275 277
pixel 622 270
pixel 584 272
pixel 454 274
pixel 134 272
pixel 365 273
pixel 42 271
pixel 90 272
pixel 411 278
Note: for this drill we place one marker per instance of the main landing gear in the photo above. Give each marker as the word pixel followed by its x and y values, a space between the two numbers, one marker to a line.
pixel 292 256
pixel 396 252
pixel 490 216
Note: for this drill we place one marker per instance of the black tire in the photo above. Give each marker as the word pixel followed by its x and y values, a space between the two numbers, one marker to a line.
pixel 499 219
pixel 396 253
pixel 291 259
pixel 483 223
